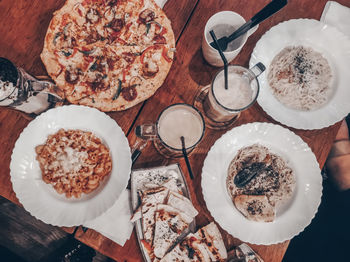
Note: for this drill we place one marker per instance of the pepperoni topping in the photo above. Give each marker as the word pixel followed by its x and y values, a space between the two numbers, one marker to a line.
pixel 129 93
pixel 98 83
pixel 111 62
pixel 93 38
pixel 117 24
pixel 159 39
pixel 146 16
pixel 129 57
pixel 150 69
pixel 72 76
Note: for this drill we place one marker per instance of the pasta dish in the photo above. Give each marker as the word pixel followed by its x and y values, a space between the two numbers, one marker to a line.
pixel 73 162
pixel 271 187
pixel 300 78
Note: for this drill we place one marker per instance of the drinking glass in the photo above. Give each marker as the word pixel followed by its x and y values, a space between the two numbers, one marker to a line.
pixel 173 122
pixel 22 91
pixel 221 106
pixel 224 23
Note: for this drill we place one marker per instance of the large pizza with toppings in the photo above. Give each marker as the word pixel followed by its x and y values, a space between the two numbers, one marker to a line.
pixel 109 54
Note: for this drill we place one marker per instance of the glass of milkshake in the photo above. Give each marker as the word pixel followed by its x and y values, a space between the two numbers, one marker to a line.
pixel 173 122
pixel 222 106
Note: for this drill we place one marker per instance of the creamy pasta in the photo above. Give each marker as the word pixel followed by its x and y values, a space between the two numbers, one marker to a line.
pixel 300 78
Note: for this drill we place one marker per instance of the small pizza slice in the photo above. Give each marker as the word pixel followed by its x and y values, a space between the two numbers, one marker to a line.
pixel 173 186
pixel 60 40
pixel 211 238
pixel 119 19
pixel 182 203
pixel 170 184
pixel 171 224
pixel 205 245
pixel 188 250
pixel 255 207
pixel 150 199
pixel 145 25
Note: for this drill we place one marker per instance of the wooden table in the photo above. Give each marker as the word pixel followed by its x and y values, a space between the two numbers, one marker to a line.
pixel 23 27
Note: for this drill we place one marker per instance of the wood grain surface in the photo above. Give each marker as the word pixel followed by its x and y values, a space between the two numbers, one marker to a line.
pixel 23 27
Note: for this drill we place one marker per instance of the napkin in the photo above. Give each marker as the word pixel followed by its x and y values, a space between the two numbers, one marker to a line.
pixel 338 16
pixel 115 222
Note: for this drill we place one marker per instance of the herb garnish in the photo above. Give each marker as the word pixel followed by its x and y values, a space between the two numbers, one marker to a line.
pixel 93 67
pixel 66 53
pixel 57 35
pixel 118 90
pixel 148 26
pixel 87 52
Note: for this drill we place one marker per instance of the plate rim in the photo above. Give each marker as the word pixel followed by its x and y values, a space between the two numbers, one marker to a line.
pixel 337 114
pixel 126 155
pixel 236 233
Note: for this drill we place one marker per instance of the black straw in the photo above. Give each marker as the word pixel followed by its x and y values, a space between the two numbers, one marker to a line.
pixel 185 156
pixel 222 56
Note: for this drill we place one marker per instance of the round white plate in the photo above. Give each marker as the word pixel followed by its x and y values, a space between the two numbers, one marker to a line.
pixel 292 217
pixel 39 198
pixel 332 44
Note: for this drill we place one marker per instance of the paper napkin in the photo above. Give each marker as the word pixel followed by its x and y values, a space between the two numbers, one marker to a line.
pixel 115 223
pixel 338 16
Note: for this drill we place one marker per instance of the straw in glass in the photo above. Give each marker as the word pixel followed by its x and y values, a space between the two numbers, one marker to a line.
pixel 222 57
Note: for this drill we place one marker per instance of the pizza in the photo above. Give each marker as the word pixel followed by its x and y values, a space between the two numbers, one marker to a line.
pixel 109 54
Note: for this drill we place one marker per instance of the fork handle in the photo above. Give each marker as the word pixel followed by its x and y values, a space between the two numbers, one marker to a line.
pixel 264 13
pixel 271 8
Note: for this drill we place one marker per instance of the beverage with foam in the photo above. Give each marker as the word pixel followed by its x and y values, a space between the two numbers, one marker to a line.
pixel 224 104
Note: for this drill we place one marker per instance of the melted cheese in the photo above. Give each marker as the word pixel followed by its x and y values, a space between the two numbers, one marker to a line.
pixel 71 160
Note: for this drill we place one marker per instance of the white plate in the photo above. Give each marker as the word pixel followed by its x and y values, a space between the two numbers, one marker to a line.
pixel 291 218
pixel 333 45
pixel 39 198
